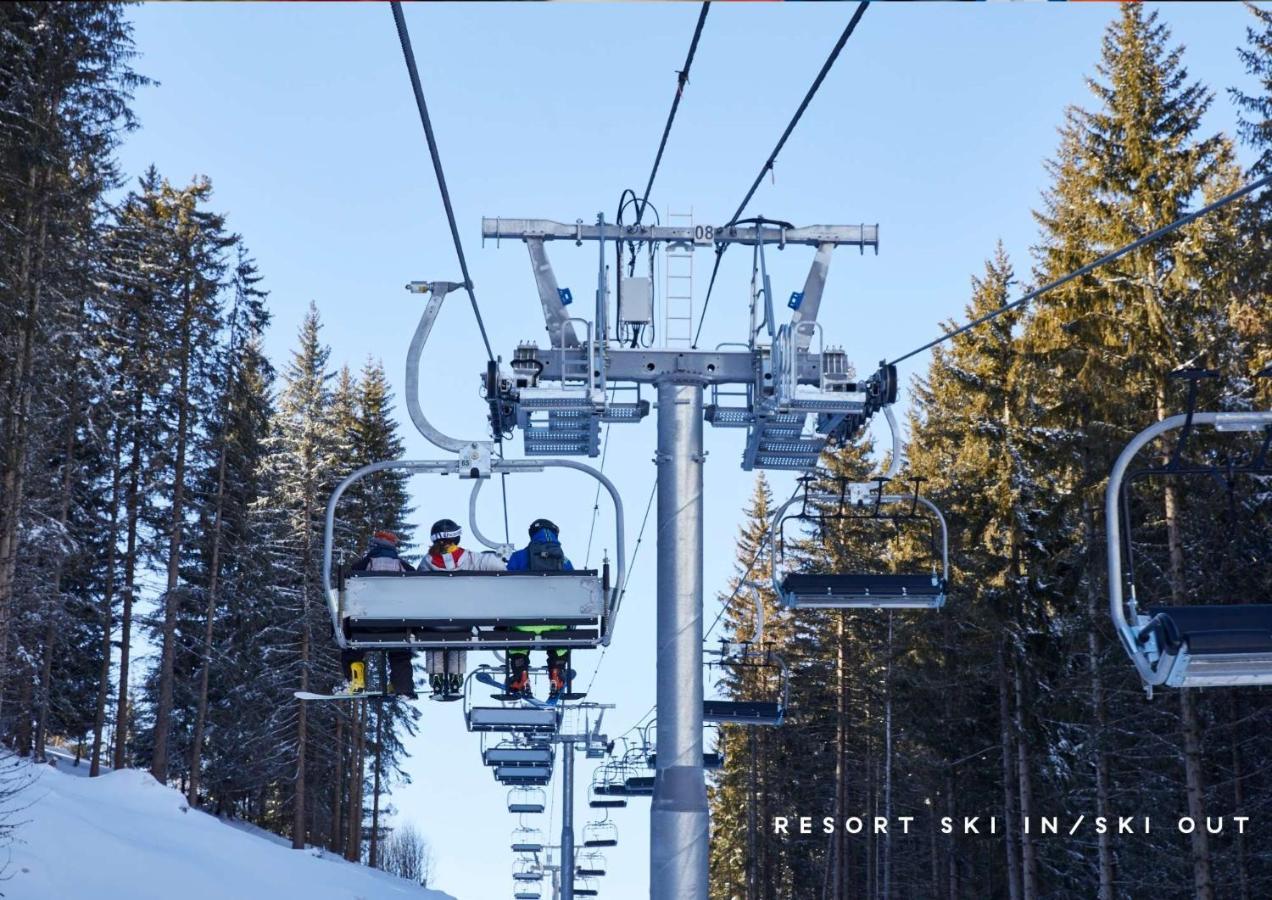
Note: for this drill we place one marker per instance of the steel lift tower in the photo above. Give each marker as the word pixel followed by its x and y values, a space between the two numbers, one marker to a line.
pixel 789 392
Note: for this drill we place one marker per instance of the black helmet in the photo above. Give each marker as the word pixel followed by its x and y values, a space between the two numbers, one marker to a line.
pixel 543 524
pixel 445 528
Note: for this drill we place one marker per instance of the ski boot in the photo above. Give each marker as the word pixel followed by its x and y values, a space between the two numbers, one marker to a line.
pixel 559 675
pixel 456 685
pixel 438 684
pixel 517 682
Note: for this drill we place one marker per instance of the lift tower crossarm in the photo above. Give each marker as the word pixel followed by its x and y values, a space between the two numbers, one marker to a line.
pixel 861 236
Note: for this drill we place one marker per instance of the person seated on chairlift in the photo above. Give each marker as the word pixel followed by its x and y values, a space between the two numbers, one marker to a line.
pixel 381 556
pixel 542 554
pixel 446 667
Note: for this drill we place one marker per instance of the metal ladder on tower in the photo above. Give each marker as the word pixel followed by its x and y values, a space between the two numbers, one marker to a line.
pixel 678 286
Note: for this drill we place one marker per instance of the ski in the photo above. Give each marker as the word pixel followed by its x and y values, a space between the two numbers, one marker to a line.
pixel 309 695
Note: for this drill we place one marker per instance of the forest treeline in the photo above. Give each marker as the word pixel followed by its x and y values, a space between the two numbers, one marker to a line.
pixel 161 486
pixel 1016 700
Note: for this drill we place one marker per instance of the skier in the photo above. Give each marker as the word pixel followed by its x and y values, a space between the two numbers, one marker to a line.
pixel 381 556
pixel 446 667
pixel 542 554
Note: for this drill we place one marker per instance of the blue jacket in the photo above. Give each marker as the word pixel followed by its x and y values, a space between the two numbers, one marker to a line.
pixel 520 560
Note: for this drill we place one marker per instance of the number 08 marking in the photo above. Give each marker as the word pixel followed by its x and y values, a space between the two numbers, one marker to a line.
pixel 704 234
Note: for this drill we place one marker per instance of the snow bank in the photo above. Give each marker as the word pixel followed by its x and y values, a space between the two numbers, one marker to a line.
pixel 125 836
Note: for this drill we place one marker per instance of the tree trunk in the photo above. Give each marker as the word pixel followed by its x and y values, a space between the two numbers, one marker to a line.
pixel 107 614
pixel 1029 879
pixel 336 835
pixel 55 619
pixel 1194 779
pixel 1104 842
pixel 302 722
pixel 373 856
pixel 1010 822
pixel 29 286
pixel 130 585
pixel 839 871
pixel 167 657
pixel 205 660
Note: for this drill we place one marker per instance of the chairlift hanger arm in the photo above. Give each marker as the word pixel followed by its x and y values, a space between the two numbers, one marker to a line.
pixel 861 236
pixel 556 316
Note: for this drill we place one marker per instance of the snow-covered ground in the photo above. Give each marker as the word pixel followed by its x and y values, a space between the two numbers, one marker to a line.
pixel 125 836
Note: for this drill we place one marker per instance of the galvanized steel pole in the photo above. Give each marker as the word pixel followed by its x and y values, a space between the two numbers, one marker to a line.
pixel 678 819
pixel 567 819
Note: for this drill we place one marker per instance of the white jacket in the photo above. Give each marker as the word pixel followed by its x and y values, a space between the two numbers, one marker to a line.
pixel 463 560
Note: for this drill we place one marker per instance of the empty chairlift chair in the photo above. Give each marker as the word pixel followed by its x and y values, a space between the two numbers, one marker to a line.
pixel 585 887
pixel 608 788
pixel 590 865
pixel 773 677
pixel 861 590
pixel 527 800
pixel 527 840
pixel 600 834
pixel 507 753
pixel 1196 645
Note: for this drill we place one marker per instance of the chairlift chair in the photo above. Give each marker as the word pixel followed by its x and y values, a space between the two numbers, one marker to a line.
pixel 464 609
pixel 1212 645
pixel 527 800
pixel 602 793
pixel 600 834
pixel 527 840
pixel 585 888
pixel 527 870
pixel 522 894
pixel 770 710
pixel 590 865
pixel 511 754
pixel 859 590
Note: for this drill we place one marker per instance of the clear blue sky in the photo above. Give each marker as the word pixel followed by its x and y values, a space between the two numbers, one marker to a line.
pixel 934 123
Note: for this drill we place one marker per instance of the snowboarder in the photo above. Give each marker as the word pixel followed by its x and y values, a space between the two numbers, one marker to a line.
pixel 381 556
pixel 446 667
pixel 542 554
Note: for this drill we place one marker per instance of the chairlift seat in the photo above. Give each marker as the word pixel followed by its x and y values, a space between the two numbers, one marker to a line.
pixel 517 756
pixel 589 873
pixel 861 591
pixel 470 610
pixel 525 808
pixel 528 847
pixel 608 803
pixel 527 895
pixel 523 775
pixel 640 786
pixel 743 712
pixel 1207 646
pixel 601 842
pixel 513 718
pixel 527 876
pixel 710 760
pixel 586 892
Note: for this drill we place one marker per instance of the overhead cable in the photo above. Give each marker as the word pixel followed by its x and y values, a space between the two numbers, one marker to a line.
pixel 1093 265
pixel 409 55
pixel 781 142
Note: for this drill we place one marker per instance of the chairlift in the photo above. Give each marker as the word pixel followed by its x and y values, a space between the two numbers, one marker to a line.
pixel 766 710
pixel 1214 645
pixel 861 590
pixel 527 870
pixel 527 840
pixel 711 759
pixel 507 753
pixel 600 834
pixel 590 865
pixel 585 888
pixel 607 790
pixel 463 609
pixel 527 800
pixel 523 894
